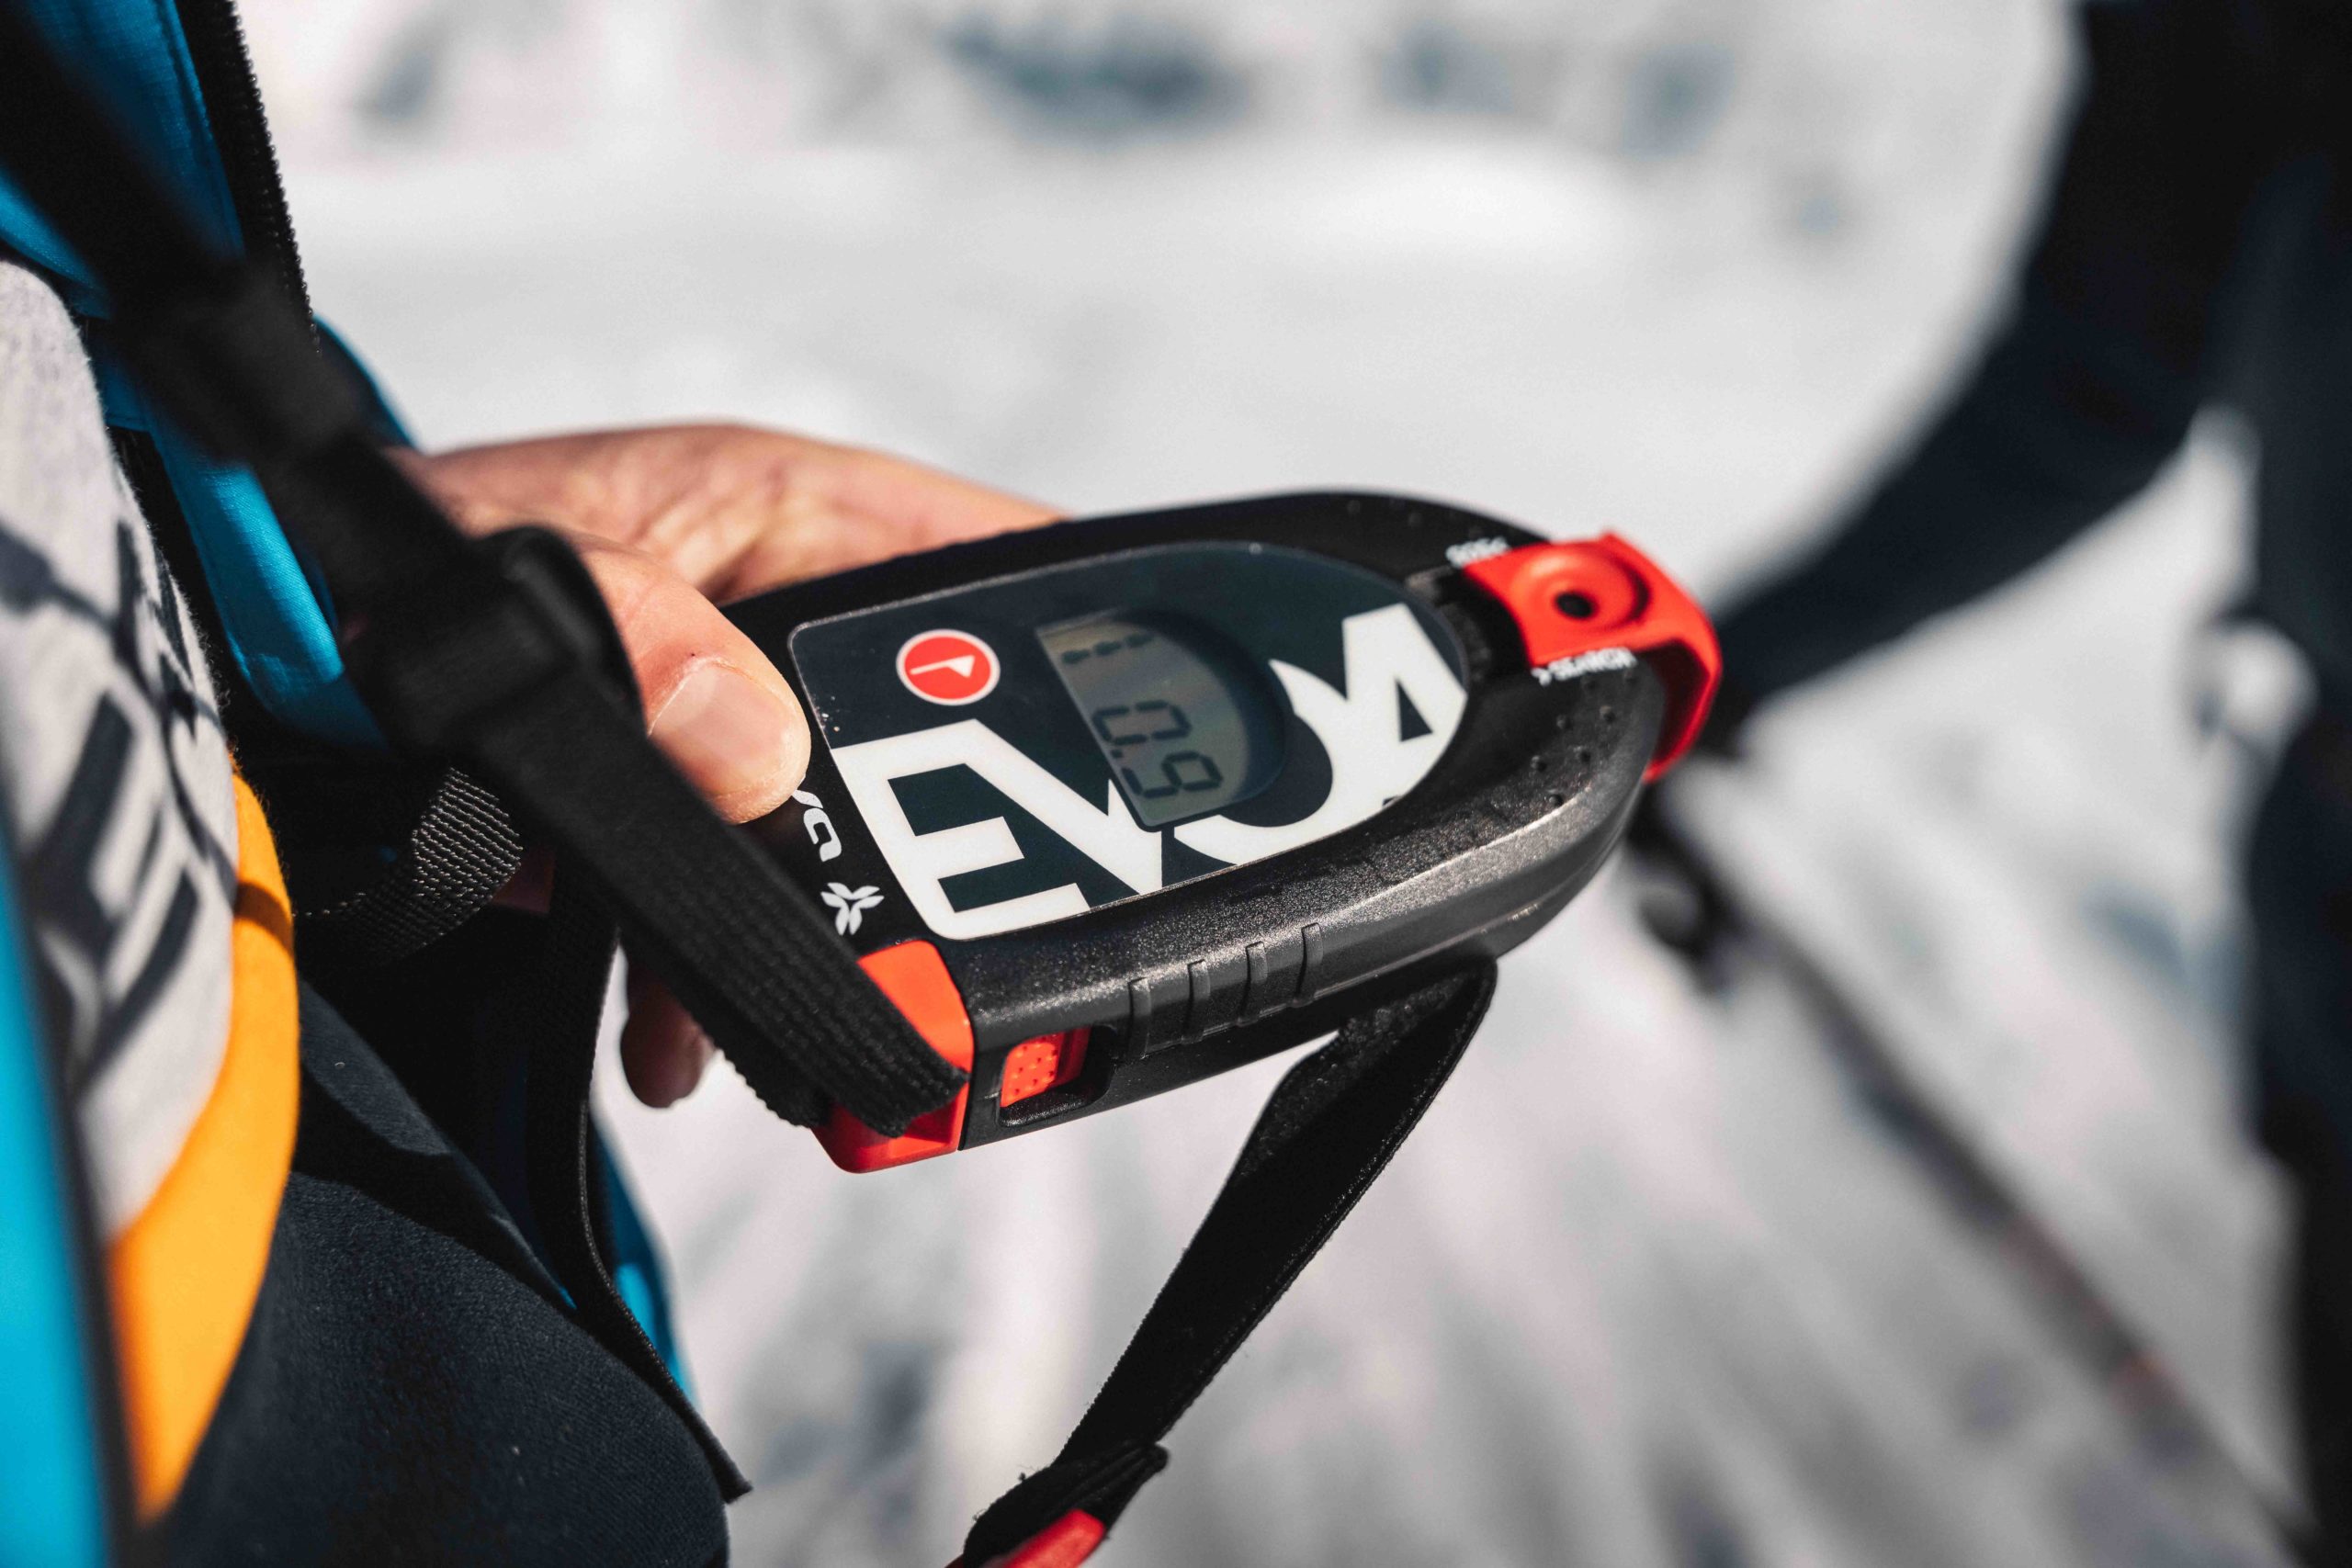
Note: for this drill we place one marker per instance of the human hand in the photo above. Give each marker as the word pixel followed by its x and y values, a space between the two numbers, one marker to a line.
pixel 672 521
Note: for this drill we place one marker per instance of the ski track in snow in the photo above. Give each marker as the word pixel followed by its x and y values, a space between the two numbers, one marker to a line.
pixel 1652 1285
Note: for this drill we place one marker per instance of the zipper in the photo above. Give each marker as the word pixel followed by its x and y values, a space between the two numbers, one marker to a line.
pixel 225 75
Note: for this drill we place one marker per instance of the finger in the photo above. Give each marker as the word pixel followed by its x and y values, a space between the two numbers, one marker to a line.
pixel 663 1051
pixel 848 507
pixel 712 699
pixel 731 509
pixel 533 884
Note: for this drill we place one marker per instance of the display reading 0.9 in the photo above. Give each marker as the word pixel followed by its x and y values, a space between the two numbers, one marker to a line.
pixel 1182 738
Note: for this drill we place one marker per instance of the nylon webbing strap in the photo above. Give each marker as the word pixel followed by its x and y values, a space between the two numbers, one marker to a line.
pixel 456 851
pixel 491 659
pixel 1329 1131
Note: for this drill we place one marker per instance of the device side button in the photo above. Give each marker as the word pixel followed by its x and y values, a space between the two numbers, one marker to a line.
pixel 1216 986
pixel 1254 997
pixel 1310 963
pixel 1139 1015
pixel 1198 1000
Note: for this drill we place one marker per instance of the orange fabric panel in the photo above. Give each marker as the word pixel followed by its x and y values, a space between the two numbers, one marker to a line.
pixel 184 1274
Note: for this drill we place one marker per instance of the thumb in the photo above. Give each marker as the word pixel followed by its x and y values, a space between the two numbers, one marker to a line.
pixel 712 699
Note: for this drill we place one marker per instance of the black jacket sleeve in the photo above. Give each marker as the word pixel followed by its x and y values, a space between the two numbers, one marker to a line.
pixel 2090 384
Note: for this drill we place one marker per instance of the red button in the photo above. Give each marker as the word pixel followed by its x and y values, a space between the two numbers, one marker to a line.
pixel 950 668
pixel 1043 1062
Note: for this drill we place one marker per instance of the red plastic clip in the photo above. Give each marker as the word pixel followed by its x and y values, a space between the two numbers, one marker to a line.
pixel 1575 600
pixel 1067 1542
pixel 916 980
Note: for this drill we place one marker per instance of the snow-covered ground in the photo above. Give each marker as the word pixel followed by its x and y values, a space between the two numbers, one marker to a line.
pixel 1679 269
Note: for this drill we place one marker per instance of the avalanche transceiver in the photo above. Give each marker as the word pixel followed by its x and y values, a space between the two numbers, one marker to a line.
pixel 1108 807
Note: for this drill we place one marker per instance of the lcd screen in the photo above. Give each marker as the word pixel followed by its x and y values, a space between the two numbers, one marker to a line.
pixel 1185 725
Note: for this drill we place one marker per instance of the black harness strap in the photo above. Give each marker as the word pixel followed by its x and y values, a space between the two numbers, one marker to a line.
pixel 1329 1131
pixel 335 811
pixel 492 656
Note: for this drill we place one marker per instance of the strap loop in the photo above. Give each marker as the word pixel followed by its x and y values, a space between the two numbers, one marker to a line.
pixel 458 849
pixel 1329 1131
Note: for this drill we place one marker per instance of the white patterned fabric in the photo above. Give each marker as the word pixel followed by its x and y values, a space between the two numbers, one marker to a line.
pixel 114 770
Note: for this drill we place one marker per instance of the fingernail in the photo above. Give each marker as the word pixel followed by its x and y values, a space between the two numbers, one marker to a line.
pixel 730 733
pixel 677 1071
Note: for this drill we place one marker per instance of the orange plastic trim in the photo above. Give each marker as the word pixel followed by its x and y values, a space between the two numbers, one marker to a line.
pixel 184 1275
pixel 1043 1062
pixel 1067 1542
pixel 916 980
pixel 1577 599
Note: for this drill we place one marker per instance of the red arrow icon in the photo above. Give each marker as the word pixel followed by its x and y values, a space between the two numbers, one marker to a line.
pixel 947 667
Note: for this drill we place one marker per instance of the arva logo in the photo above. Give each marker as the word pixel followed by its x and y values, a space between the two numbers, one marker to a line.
pixel 849 904
pixel 1372 760
pixel 819 825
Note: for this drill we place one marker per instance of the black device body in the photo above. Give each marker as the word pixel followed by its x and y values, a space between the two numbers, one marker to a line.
pixel 1503 819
